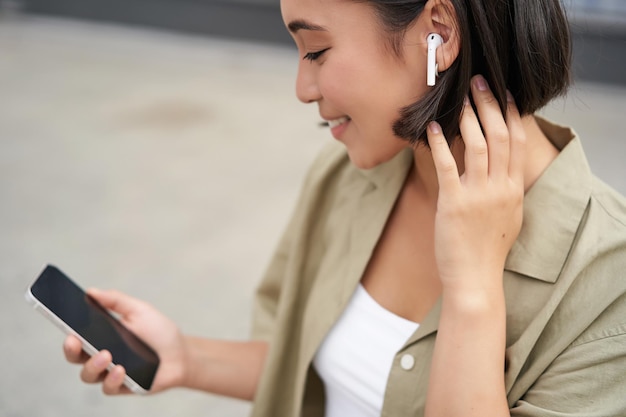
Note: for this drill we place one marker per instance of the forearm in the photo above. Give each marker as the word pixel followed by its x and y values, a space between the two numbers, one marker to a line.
pixel 467 372
pixel 226 368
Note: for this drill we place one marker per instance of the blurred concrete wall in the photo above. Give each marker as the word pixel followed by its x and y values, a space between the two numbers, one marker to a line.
pixel 598 26
pixel 240 19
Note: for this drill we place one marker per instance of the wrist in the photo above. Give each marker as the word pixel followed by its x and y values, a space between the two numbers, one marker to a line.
pixel 187 359
pixel 474 300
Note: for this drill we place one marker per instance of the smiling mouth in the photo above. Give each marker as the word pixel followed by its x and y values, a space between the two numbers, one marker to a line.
pixel 335 122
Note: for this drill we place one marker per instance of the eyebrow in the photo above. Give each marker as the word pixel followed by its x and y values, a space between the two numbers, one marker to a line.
pixel 300 24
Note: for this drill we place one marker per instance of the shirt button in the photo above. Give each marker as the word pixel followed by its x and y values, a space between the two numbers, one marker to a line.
pixel 407 362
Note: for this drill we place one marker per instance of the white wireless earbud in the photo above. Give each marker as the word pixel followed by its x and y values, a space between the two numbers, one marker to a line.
pixel 433 41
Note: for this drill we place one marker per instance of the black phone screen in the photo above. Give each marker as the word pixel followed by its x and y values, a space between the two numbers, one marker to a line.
pixel 96 325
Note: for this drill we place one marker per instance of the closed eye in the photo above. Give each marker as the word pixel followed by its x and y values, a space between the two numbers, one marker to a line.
pixel 312 56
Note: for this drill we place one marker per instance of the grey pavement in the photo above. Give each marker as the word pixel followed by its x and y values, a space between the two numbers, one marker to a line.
pixel 166 166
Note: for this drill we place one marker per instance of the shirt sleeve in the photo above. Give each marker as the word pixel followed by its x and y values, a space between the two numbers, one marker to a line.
pixel 587 379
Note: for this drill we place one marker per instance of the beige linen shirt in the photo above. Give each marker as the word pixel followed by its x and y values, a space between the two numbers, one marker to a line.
pixel 564 281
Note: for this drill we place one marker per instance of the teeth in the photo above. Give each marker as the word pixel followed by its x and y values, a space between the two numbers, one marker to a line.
pixel 337 122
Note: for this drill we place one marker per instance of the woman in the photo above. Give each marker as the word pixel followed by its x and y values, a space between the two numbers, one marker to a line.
pixel 405 283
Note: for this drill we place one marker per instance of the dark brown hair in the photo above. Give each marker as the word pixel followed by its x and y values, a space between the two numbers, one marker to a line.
pixel 523 46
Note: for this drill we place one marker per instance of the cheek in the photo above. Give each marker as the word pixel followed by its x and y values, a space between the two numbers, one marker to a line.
pixel 338 84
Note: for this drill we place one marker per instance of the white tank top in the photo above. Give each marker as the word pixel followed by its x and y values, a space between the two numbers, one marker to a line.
pixel 356 356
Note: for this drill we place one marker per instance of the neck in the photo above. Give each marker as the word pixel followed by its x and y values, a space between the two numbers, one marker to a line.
pixel 540 152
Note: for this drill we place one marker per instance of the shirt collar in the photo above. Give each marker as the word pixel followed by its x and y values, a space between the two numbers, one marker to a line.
pixel 553 206
pixel 391 173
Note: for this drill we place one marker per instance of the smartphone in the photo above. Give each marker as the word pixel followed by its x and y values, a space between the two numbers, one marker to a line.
pixel 59 299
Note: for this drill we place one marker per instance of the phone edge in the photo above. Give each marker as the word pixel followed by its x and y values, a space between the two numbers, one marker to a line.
pixel 67 330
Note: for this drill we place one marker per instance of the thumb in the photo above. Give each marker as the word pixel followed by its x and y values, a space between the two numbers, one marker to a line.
pixel 115 301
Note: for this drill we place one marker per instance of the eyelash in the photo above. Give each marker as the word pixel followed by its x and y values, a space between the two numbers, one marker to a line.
pixel 313 56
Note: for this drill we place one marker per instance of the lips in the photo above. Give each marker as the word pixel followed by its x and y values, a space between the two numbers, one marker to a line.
pixel 337 122
pixel 339 126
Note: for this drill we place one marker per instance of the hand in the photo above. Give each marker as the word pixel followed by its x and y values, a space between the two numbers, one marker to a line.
pixel 151 326
pixel 479 213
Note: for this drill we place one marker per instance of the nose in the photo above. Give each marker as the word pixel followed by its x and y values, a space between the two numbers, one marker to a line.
pixel 307 89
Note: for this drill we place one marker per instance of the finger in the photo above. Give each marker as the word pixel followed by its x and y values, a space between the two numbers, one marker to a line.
pixel 95 368
pixel 113 384
pixel 476 162
pixel 115 301
pixel 73 350
pixel 494 126
pixel 445 165
pixel 518 140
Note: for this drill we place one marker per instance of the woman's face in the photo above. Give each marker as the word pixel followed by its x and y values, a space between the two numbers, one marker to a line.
pixel 349 69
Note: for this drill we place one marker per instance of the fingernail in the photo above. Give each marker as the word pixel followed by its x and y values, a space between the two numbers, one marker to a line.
pixel 94 291
pixel 434 128
pixel 118 373
pixel 509 97
pixel 100 360
pixel 481 83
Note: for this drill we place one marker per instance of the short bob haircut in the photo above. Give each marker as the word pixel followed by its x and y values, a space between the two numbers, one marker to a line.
pixel 520 45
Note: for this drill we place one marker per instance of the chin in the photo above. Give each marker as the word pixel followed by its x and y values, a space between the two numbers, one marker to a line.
pixel 366 154
pixel 363 161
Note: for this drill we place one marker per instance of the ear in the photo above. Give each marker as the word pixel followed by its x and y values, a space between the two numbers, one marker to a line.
pixel 439 16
